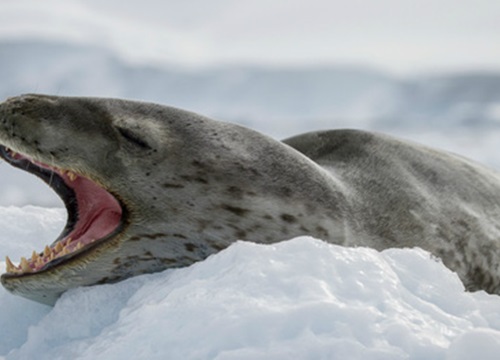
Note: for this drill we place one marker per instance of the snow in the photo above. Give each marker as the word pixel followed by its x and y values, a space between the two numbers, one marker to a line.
pixel 300 299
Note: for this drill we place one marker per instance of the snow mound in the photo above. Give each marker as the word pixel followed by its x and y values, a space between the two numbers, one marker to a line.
pixel 300 299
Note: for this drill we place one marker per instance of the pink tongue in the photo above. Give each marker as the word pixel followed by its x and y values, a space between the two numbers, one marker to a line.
pixel 99 213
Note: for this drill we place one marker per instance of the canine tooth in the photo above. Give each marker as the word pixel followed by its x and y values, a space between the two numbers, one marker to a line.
pixel 71 175
pixel 59 247
pixel 46 251
pixel 10 266
pixel 25 266
pixel 39 262
pixel 66 247
pixel 34 256
pixel 79 246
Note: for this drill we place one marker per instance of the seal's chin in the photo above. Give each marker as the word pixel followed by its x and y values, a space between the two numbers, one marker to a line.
pixel 94 215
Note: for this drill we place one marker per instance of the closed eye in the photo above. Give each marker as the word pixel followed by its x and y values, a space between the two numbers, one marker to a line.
pixel 134 138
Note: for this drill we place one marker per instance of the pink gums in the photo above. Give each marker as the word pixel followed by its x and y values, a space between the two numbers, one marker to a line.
pixel 99 213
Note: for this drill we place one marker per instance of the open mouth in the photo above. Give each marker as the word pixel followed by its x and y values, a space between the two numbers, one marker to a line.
pixel 94 215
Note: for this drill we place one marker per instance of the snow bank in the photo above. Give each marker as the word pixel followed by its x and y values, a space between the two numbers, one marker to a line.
pixel 300 299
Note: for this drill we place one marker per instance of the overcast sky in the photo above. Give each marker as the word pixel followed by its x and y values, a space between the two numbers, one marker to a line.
pixel 395 35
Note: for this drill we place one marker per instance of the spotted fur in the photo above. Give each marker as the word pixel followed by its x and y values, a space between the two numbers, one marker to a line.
pixel 192 186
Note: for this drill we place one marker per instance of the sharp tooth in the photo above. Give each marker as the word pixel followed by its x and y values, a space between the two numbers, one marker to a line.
pixel 71 175
pixel 46 251
pixel 59 247
pixel 25 266
pixel 34 257
pixel 79 246
pixel 10 266
pixel 65 249
pixel 39 262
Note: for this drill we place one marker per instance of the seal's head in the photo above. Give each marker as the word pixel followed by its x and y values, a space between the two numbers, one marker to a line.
pixel 149 187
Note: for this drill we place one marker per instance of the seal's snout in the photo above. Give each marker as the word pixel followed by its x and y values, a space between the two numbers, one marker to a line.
pixel 25 105
pixel 30 99
pixel 20 100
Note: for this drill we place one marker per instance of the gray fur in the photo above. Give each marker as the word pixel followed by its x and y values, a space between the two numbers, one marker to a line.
pixel 192 186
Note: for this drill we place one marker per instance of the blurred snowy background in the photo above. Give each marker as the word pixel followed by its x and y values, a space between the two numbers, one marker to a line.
pixel 426 70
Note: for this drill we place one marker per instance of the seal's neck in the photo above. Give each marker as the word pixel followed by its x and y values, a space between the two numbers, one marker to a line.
pixel 265 193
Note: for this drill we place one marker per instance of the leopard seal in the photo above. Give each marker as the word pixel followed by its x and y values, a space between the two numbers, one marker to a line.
pixel 150 187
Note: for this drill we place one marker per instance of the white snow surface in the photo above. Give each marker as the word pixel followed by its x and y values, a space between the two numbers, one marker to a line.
pixel 297 299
